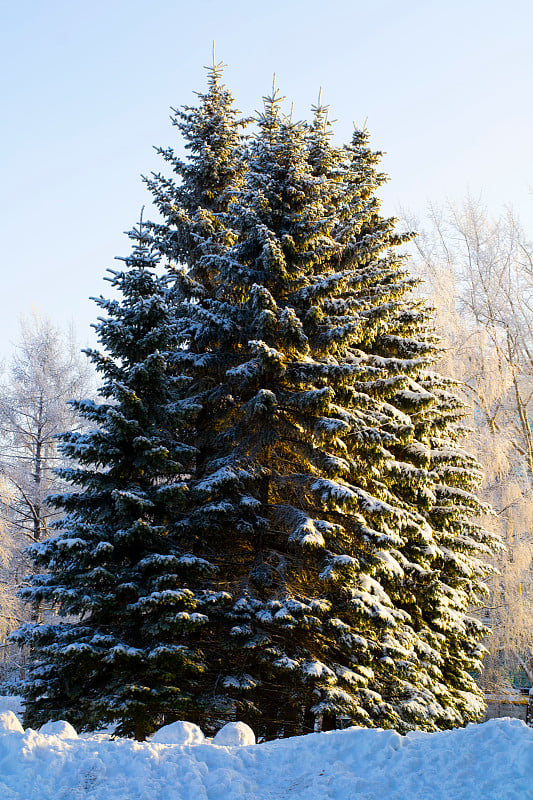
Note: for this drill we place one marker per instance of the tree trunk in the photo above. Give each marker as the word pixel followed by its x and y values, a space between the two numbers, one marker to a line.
pixel 139 732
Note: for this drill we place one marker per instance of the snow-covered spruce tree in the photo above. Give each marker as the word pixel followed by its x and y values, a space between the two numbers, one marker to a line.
pixel 463 548
pixel 315 557
pixel 436 575
pixel 393 345
pixel 115 571
pixel 311 494
pixel 194 198
pixel 193 203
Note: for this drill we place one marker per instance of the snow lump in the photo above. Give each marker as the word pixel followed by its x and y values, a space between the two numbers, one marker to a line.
pixel 9 723
pixel 59 728
pixel 180 732
pixel 235 734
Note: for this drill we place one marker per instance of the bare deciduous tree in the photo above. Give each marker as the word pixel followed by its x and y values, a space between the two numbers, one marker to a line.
pixel 478 273
pixel 46 371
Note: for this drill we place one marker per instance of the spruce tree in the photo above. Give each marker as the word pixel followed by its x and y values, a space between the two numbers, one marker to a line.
pixel 117 571
pixel 305 350
pixel 305 550
pixel 114 571
pixel 436 575
pixel 192 201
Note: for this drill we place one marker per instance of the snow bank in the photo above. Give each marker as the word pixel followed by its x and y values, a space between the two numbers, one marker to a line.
pixel 493 761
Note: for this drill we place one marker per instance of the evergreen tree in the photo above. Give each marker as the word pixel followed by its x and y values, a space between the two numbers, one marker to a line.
pixel 115 571
pixel 463 549
pixel 305 351
pixel 193 199
pixel 284 516
pixel 436 575
pixel 127 662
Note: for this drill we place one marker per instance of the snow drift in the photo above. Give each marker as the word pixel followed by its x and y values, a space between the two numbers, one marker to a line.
pixel 493 761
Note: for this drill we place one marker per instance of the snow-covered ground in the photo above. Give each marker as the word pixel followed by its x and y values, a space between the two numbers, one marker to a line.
pixel 493 761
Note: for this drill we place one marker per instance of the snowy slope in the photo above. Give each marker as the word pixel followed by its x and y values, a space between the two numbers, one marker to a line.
pixel 493 761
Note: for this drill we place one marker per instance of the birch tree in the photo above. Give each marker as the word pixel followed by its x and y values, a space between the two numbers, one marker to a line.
pixel 479 272
pixel 45 372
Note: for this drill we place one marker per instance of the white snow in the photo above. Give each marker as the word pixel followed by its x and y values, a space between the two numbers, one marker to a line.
pixel 492 761
pixel 180 732
pixel 9 723
pixel 59 728
pixel 316 669
pixel 234 734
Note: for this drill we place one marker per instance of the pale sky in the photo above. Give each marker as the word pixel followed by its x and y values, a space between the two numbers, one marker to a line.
pixel 86 90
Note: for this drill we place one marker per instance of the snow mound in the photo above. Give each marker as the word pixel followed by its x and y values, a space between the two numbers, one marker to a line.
pixel 180 732
pixel 59 728
pixel 234 734
pixel 9 723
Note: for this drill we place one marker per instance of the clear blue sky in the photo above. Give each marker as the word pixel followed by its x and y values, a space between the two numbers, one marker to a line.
pixel 86 88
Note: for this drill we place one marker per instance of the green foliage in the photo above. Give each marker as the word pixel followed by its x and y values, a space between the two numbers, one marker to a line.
pixel 276 521
pixel 115 571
